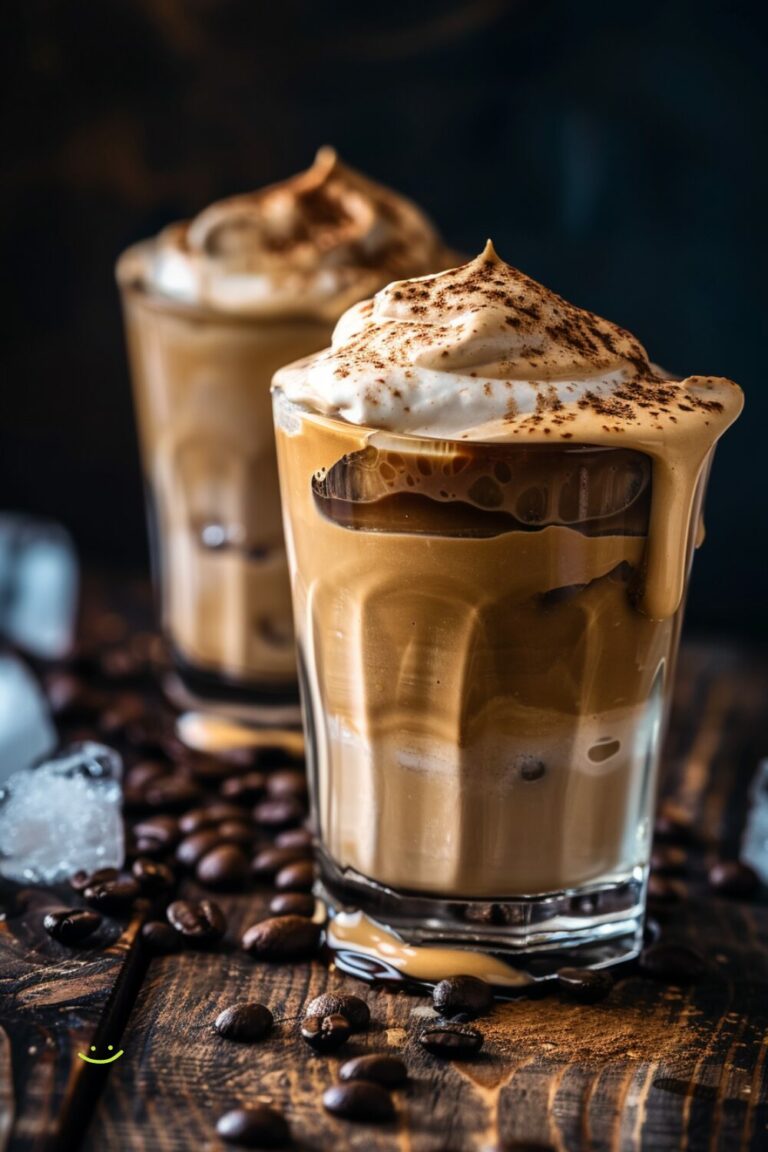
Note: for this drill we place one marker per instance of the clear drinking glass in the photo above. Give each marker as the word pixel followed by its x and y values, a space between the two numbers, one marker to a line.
pixel 201 389
pixel 483 699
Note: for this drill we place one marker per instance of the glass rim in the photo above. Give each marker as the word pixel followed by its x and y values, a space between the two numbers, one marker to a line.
pixel 389 438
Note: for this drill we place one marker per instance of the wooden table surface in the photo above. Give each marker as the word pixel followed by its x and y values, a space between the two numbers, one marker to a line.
pixel 654 1067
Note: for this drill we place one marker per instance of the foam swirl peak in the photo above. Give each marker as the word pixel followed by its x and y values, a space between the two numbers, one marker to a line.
pixel 310 245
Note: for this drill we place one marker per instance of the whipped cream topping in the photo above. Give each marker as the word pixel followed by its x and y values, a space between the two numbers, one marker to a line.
pixel 484 352
pixel 311 245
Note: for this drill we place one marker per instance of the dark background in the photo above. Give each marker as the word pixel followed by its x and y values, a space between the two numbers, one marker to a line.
pixel 616 151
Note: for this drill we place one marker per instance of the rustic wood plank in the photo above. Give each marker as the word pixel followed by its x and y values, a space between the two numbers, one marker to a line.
pixel 654 1068
pixel 54 1003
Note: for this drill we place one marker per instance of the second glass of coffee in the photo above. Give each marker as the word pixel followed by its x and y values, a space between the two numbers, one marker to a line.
pixel 212 308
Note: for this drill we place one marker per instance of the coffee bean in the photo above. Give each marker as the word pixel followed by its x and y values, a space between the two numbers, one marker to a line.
pixel 193 848
pixel 245 789
pixel 199 818
pixel 114 897
pixel 152 876
pixel 162 830
pixel 71 925
pixel 82 880
pixel 124 710
pixel 389 1071
pixel 330 1003
pixel 71 698
pixel 245 1022
pixel 260 1126
pixel 662 891
pixel 173 793
pixel 669 859
pixel 296 877
pixel 160 938
pixel 733 878
pixel 672 962
pixel 196 820
pixel 236 832
pixel 451 1041
pixel 140 774
pixel 295 838
pixel 326 1033
pixel 466 994
pixel 225 866
pixel 154 733
pixel 292 904
pixel 282 938
pixel 276 814
pixel 287 783
pixel 208 770
pixel 199 920
pixel 584 984
pixel 673 824
pixel 120 664
pixel 359 1100
pixel 269 861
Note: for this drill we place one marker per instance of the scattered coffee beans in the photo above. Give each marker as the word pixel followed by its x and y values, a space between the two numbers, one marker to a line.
pixel 245 1022
pixel 296 877
pixel 466 994
pixel 172 793
pixel 114 897
pixel 669 859
pixel 287 782
pixel 245 789
pixel 162 831
pixel 199 920
pixel 356 1010
pixel 280 813
pixel 72 925
pixel 672 962
pixel 451 1041
pixel 82 880
pixel 282 938
pixel 258 1127
pixel 292 904
pixel 326 1033
pixel 192 848
pixel 160 938
pixel 584 985
pixel 269 861
pixel 359 1100
pixel 152 876
pixel 389 1071
pixel 732 878
pixel 295 838
pixel 225 866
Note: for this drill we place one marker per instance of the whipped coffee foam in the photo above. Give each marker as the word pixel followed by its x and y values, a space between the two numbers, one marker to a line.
pixel 484 353
pixel 309 246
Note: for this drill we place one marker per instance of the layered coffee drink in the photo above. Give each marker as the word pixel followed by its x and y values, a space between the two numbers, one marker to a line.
pixel 491 499
pixel 212 308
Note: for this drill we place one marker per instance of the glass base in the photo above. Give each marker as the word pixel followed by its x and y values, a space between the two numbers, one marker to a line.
pixel 198 689
pixel 382 935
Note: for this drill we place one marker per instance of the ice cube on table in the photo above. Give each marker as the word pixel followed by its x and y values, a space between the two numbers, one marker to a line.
pixel 26 728
pixel 38 585
pixel 62 815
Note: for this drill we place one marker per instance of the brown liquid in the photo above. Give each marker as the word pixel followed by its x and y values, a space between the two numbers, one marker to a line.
pixel 201 387
pixel 483 692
